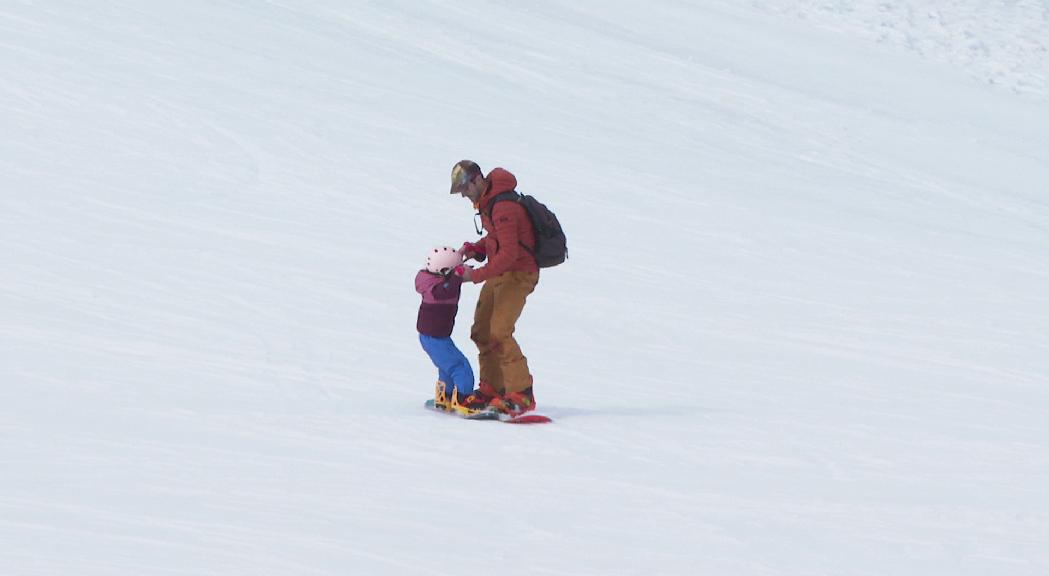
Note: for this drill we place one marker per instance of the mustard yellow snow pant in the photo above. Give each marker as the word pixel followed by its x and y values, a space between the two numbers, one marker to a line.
pixel 498 307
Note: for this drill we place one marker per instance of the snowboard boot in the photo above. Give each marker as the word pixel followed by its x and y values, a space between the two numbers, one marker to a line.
pixel 515 403
pixel 474 403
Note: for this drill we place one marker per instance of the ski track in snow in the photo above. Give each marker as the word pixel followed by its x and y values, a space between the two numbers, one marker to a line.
pixel 802 329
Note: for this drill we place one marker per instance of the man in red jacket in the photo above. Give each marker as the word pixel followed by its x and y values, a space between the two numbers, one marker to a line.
pixel 510 275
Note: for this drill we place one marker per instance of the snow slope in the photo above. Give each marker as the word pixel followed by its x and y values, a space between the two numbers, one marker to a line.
pixel 1000 42
pixel 804 327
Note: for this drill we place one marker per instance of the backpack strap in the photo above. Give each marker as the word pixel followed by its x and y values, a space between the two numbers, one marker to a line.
pixel 509 195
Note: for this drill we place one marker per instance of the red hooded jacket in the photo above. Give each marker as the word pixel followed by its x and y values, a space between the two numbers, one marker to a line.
pixel 508 228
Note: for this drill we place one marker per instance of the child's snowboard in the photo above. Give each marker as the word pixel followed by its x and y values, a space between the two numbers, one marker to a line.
pixel 526 418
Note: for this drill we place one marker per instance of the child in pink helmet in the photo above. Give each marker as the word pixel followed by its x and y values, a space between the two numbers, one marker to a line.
pixel 439 283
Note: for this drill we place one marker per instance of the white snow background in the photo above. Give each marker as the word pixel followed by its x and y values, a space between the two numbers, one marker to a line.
pixel 803 330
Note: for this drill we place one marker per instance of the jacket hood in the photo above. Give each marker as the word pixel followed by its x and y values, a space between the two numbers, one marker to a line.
pixel 499 180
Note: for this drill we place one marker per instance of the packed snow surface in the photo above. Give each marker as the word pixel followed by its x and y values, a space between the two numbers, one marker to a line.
pixel 803 328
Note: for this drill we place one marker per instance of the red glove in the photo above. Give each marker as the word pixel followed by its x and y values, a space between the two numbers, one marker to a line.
pixel 465 271
pixel 471 250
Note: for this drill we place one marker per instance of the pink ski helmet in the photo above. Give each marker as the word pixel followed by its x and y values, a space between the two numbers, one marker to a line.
pixel 442 259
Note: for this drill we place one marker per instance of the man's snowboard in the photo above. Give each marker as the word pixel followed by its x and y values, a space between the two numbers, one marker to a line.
pixel 527 418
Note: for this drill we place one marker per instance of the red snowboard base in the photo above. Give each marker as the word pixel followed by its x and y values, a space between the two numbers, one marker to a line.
pixel 528 419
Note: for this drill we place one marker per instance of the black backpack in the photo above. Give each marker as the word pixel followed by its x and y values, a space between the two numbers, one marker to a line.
pixel 551 247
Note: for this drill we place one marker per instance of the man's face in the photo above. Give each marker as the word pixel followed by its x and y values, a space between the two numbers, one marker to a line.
pixel 473 189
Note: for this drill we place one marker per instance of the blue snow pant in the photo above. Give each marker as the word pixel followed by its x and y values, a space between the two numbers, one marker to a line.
pixel 452 366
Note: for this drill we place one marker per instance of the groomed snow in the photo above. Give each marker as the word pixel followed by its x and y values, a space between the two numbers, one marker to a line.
pixel 804 327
